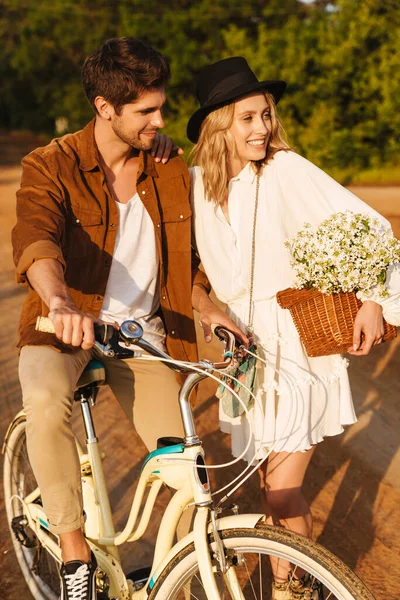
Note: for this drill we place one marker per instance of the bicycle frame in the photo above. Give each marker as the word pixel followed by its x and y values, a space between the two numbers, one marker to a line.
pixel 209 546
pixel 181 467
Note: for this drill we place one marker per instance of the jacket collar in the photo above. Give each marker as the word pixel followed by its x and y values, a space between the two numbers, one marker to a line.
pixel 147 165
pixel 89 158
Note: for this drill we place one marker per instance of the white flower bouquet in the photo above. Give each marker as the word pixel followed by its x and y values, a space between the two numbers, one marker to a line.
pixel 348 253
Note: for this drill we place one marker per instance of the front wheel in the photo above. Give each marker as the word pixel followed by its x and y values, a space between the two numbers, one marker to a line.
pixel 248 552
pixel 39 567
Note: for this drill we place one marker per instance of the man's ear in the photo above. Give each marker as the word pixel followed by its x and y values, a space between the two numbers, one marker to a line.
pixel 104 108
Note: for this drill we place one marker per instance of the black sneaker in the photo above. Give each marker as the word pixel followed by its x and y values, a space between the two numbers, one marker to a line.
pixel 78 580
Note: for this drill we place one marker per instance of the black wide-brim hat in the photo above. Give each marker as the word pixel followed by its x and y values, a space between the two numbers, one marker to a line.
pixel 221 83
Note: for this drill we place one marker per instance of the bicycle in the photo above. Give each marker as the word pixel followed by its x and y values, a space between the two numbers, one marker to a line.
pixel 224 556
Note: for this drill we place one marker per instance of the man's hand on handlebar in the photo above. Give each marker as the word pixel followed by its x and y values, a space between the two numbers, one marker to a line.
pixel 72 326
pixel 108 339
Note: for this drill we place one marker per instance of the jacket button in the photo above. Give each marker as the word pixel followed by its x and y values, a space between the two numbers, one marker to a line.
pixel 164 297
pixel 172 332
pixel 112 224
pixel 181 216
pixel 77 221
pixel 143 192
pixel 158 224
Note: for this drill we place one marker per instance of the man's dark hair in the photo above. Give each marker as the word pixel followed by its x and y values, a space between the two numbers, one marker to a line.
pixel 121 70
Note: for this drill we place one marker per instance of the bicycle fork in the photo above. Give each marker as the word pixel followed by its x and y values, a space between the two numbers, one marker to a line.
pixel 205 509
pixel 205 513
pixel 202 547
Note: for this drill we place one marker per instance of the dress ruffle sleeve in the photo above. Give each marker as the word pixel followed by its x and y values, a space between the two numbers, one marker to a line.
pixel 310 195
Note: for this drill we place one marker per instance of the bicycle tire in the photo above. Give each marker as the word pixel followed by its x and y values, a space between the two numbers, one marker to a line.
pixel 18 480
pixel 338 581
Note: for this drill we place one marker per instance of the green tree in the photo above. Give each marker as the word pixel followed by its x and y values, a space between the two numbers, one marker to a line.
pixel 340 58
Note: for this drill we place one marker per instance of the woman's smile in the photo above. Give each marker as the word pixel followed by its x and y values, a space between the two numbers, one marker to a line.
pixel 250 129
pixel 257 142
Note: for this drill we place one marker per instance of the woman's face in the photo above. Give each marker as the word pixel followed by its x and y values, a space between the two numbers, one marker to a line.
pixel 251 128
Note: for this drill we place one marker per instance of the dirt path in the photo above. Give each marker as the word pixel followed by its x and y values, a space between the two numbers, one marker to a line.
pixel 353 482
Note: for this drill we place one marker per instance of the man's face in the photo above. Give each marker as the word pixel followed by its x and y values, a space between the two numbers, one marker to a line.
pixel 139 122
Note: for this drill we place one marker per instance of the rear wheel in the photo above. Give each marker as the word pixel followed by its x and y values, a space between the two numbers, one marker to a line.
pixel 40 569
pixel 248 552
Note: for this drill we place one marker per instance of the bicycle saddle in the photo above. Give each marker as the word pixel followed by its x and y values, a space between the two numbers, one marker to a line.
pixel 94 372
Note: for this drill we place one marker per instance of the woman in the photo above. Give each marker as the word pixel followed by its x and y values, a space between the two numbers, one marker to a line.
pixel 242 159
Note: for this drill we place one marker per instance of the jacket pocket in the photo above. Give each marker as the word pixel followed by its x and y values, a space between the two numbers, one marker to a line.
pixel 84 231
pixel 82 217
pixel 176 213
pixel 176 227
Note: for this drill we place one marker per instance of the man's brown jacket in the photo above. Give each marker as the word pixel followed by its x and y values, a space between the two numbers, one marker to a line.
pixel 66 211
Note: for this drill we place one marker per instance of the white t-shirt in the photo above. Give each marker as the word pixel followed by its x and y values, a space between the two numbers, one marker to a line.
pixel 132 289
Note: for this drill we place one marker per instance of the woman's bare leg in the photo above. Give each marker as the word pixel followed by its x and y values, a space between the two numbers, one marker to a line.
pixel 283 501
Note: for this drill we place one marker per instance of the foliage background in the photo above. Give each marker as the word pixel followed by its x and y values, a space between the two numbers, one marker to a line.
pixel 341 60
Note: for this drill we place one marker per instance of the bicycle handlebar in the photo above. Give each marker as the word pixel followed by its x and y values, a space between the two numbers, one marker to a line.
pixel 108 339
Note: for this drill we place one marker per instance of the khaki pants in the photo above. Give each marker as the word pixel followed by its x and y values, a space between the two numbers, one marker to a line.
pixel 146 391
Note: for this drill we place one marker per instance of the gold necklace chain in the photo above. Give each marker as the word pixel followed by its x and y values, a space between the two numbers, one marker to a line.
pixel 253 257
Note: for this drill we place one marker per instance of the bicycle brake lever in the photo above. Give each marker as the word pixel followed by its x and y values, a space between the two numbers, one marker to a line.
pixel 112 349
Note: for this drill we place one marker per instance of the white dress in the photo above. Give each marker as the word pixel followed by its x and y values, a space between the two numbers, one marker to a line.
pixel 303 399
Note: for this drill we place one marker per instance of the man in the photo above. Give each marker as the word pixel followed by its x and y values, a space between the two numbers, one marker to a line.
pixel 103 232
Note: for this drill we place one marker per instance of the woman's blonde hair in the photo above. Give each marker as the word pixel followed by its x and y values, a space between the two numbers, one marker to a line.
pixel 216 142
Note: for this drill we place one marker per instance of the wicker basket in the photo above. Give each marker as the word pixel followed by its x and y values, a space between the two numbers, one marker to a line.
pixel 325 322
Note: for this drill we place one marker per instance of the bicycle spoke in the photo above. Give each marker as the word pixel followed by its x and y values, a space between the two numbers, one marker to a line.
pixel 190 594
pixel 251 582
pixel 199 580
pixel 260 575
pixel 188 591
pixel 293 573
pixel 188 588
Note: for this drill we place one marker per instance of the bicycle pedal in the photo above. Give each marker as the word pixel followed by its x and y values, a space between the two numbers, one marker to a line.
pixel 105 596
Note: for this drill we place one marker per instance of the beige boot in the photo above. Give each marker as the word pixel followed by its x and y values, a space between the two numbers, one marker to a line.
pixel 281 591
pixel 306 588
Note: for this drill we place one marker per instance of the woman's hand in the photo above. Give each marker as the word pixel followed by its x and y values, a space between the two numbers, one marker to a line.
pixel 211 314
pixel 368 328
pixel 163 147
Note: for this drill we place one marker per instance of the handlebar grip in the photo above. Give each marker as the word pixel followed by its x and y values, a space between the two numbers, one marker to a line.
pixel 102 332
pixel 220 332
pixel 45 325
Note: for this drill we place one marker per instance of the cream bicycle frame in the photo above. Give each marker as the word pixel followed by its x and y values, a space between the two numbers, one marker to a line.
pixel 181 468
